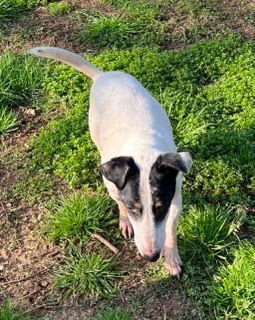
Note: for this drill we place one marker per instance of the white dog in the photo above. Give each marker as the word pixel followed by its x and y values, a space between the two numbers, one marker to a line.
pixel 139 163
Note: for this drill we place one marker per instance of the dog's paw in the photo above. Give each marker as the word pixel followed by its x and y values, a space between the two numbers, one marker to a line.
pixel 125 227
pixel 173 261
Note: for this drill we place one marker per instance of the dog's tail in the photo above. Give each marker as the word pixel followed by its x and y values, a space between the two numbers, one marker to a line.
pixel 69 58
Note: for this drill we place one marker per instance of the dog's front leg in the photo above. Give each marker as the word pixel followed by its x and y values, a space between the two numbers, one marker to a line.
pixel 124 223
pixel 172 258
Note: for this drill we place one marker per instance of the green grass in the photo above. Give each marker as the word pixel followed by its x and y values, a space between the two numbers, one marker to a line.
pixel 118 32
pixel 59 8
pixel 10 8
pixel 81 215
pixel 207 90
pixel 89 274
pixel 113 314
pixel 7 312
pixel 233 292
pixel 137 23
pixel 20 82
pixel 8 121
pixel 20 79
pixel 33 188
pixel 207 232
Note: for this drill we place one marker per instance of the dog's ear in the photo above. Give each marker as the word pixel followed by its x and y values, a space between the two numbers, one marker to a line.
pixel 119 170
pixel 181 161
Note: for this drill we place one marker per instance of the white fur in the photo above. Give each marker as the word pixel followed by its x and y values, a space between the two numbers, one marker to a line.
pixel 125 120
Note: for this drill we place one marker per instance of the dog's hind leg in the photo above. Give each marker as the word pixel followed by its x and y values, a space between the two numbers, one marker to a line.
pixel 124 223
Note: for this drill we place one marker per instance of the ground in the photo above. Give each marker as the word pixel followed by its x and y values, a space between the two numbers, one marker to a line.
pixel 203 54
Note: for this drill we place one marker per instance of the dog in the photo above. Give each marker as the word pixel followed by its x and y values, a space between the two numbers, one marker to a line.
pixel 140 165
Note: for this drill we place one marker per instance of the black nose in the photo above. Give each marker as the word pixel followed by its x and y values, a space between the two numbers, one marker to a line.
pixel 152 258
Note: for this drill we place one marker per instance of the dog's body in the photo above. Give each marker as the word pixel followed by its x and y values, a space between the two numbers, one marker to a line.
pixel 139 163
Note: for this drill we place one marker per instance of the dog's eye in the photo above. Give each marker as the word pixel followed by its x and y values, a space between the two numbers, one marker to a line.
pixel 159 204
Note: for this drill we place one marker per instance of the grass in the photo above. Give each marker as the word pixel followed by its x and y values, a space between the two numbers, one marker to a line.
pixel 20 82
pixel 118 32
pixel 209 232
pixel 116 314
pixel 39 187
pixel 233 293
pixel 21 78
pixel 89 274
pixel 8 121
pixel 136 24
pixel 207 90
pixel 59 8
pixel 79 216
pixel 7 312
pixel 10 8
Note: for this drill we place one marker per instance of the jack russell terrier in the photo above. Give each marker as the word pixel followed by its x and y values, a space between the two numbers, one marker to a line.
pixel 139 162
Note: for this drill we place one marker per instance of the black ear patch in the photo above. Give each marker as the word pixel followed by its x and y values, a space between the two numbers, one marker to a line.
pixel 162 183
pixel 119 170
pixel 171 160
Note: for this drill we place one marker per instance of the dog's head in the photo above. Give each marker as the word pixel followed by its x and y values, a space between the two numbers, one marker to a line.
pixel 148 190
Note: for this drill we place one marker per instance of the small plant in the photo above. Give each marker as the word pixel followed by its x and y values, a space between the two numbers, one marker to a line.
pixel 7 312
pixel 80 215
pixel 87 274
pixel 207 232
pixel 113 314
pixel 8 121
pixel 59 8
pixel 233 293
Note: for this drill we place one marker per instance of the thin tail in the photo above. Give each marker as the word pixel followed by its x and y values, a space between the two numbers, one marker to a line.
pixel 69 58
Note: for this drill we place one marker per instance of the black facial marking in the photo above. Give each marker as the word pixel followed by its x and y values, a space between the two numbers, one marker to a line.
pixel 130 196
pixel 162 182
pixel 125 174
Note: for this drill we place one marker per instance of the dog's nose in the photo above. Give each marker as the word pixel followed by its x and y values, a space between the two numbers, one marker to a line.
pixel 152 258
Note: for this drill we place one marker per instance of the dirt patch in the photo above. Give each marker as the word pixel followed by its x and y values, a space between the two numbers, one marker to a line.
pixel 39 27
pixel 213 19
pixel 26 261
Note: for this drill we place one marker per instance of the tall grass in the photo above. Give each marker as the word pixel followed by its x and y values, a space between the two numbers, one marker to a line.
pixel 89 274
pixel 20 81
pixel 233 293
pixel 80 215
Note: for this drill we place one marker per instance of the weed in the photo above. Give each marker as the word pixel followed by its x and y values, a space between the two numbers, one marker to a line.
pixel 59 8
pixel 80 215
pixel 233 293
pixel 216 180
pixel 66 147
pixel 88 274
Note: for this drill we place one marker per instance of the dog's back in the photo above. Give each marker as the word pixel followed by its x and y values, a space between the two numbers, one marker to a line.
pixel 122 111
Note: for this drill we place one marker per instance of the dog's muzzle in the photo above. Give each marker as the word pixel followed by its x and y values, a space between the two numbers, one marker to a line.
pixel 152 258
